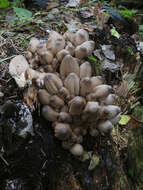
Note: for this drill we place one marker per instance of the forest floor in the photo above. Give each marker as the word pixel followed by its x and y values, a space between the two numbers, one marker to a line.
pixel 39 162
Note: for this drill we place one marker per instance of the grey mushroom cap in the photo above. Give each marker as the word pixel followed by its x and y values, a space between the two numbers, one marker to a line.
pixel 62 131
pixel 77 150
pixel 105 126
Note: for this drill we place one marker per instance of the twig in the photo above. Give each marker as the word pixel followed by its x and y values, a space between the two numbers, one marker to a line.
pixel 2 44
pixel 7 58
pixel 11 97
pixel 4 160
pixel 29 36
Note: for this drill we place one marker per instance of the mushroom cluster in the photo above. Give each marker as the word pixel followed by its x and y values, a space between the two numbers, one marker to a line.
pixel 73 99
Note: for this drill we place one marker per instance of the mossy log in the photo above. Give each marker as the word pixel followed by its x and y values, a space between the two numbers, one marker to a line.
pixel 135 157
pixel 117 175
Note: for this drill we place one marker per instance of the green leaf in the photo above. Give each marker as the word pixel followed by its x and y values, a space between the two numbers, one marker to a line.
pixel 140 27
pixel 115 33
pixel 39 22
pixel 92 59
pixel 124 119
pixel 138 112
pixel 128 13
pixel 102 62
pixel 23 14
pixel 94 162
pixel 85 157
pixel 4 3
pixel 130 86
pixel 37 14
pixel 141 33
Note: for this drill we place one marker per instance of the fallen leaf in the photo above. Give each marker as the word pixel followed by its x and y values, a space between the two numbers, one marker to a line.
pixel 52 5
pixel 115 33
pixel 124 119
pixel 123 89
pixel 94 162
pixel 31 98
pixel 17 67
pixel 85 157
pixel 108 51
pixel 75 3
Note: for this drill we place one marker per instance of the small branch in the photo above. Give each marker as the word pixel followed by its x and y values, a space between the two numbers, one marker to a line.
pixel 3 159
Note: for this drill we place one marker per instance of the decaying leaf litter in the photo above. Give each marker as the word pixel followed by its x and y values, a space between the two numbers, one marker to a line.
pixel 117 57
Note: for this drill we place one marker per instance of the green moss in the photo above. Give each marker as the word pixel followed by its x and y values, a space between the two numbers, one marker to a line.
pixel 138 112
pixel 128 13
pixel 135 156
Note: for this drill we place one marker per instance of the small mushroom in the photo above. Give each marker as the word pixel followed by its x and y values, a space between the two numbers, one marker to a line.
pixel 28 55
pixel 69 65
pixel 70 48
pixel 80 37
pixel 85 86
pixel 84 50
pixel 31 74
pixel 76 105
pixel 109 100
pixel 91 97
pixel 105 126
pixel 72 84
pixel 77 150
pixel 62 131
pixel 65 117
pixel 46 57
pixel 85 70
pixel 33 44
pixel 69 36
pixel 34 61
pixel 61 54
pixel 44 97
pixel 92 108
pixel 93 132
pixel 110 111
pixel 52 83
pixel 55 43
pixel 48 69
pixel 37 76
pixel 56 102
pixel 41 48
pixel 49 114
pixel 116 119
pixel 55 64
pixel 63 93
pixel 96 81
pixel 102 91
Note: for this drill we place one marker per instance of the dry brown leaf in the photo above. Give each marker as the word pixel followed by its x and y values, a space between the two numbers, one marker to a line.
pixel 123 89
pixel 31 98
pixel 74 183
pixel 52 5
pixel 100 16
pixel 133 123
